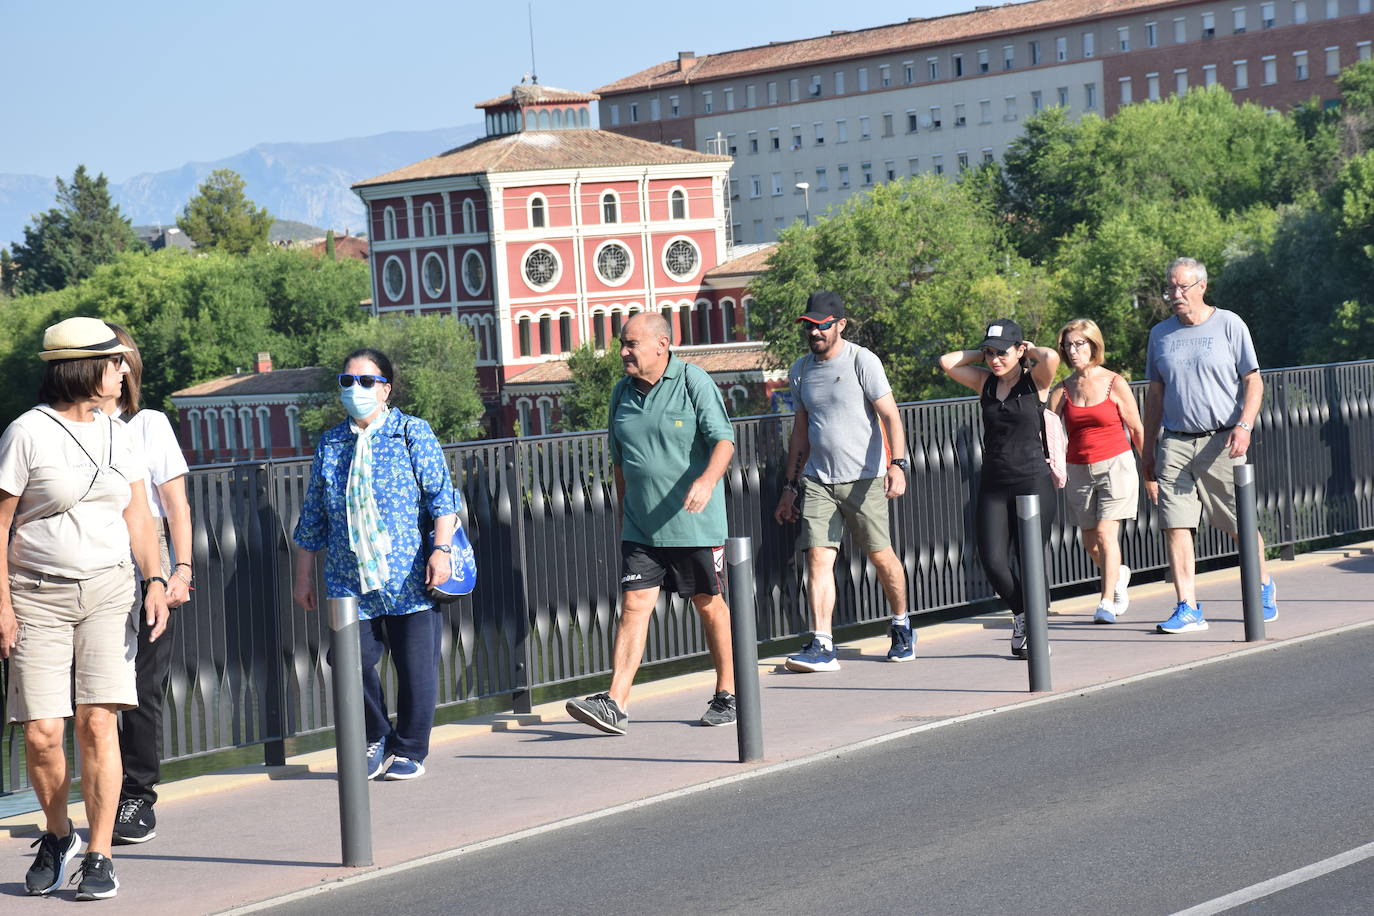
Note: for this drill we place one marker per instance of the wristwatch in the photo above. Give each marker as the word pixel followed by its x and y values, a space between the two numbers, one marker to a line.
pixel 1245 426
pixel 446 548
pixel 902 463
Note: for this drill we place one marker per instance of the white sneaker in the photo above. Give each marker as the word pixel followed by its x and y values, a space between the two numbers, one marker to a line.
pixel 1123 600
pixel 1106 612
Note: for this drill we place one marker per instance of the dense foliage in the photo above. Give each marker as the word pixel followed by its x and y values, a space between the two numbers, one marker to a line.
pixel 67 243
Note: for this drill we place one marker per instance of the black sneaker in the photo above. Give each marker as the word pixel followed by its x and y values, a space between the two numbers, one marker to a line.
pixel 722 710
pixel 97 877
pixel 49 867
pixel 135 822
pixel 600 711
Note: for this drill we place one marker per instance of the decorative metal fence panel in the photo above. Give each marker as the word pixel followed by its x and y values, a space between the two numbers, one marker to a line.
pixel 249 666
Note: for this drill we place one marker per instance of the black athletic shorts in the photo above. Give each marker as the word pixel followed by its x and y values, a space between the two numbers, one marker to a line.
pixel 687 570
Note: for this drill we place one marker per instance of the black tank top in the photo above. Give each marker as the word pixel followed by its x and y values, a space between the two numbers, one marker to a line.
pixel 1012 450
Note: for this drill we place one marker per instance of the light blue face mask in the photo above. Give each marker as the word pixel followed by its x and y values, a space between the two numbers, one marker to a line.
pixel 360 402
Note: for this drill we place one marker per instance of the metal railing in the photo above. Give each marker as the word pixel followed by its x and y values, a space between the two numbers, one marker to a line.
pixel 249 666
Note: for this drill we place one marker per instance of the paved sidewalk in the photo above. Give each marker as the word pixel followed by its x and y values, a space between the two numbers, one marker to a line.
pixel 229 840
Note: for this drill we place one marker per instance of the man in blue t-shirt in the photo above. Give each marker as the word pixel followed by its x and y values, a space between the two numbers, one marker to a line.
pixel 1204 397
pixel 845 460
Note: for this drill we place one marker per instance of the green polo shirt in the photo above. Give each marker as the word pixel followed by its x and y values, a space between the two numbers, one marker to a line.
pixel 662 442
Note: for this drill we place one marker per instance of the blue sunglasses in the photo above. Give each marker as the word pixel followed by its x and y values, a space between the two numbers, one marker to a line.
pixel 363 381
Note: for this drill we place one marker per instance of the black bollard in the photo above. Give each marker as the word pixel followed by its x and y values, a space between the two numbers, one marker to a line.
pixel 739 557
pixel 350 733
pixel 1247 535
pixel 1034 592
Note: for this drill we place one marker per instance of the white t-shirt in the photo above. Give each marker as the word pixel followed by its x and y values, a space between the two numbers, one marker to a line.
pixel 152 433
pixel 72 480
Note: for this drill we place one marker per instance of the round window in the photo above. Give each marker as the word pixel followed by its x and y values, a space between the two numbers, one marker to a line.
pixel 394 278
pixel 474 273
pixel 681 259
pixel 613 262
pixel 541 267
pixel 434 274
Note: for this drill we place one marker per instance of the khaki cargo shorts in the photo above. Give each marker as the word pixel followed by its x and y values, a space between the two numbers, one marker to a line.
pixel 1103 491
pixel 66 624
pixel 1196 471
pixel 828 507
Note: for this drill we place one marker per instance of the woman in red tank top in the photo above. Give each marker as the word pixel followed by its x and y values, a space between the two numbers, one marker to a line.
pixel 1098 411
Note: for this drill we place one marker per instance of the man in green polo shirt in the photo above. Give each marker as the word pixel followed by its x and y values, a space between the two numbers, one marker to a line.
pixel 671 443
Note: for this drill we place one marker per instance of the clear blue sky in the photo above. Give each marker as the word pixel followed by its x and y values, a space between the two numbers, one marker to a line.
pixel 130 87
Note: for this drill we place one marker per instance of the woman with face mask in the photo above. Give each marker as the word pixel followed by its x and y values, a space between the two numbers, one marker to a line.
pixel 378 485
pixel 1012 387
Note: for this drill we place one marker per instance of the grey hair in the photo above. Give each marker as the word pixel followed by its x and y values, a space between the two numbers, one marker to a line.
pixel 1192 264
pixel 653 322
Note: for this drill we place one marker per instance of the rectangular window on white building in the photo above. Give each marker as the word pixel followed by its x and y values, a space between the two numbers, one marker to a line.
pixel 1209 74
pixel 734 189
pixel 935 122
pixel 1267 20
pixel 963 160
pixel 885 75
pixel 913 165
pixel 1010 113
pixel 887 124
pixel 1061 49
pixel 983 64
pixel 1180 81
pixel 750 97
pixel 959 119
pixel 674 107
pixel 821 180
pixel 985 111
pixel 1300 71
pixel 890 170
pixel 634 112
pixel 758 230
pixel 1333 9
pixel 777 183
pixel 815 89
pixel 1152 86
pixel 615 115
pixel 1037 102
pixel 820 133
pixel 863 79
pixel 1124 85
pixel 1089 44
pixel 932 68
pixel 843 171
pixel 1008 56
pixel 796 137
pixel 1180 30
pixel 794 90
pixel 755 186
pixel 1123 38
pixel 1333 61
pixel 707 101
pixel 1242 80
pixel 909 72
pixel 1034 53
pixel 753 146
pixel 842 131
pixel 1271 69
pixel 839 82
pixel 654 113
pixel 729 99
pixel 958 60
pixel 1151 34
pixel 864 131
pixel 1209 26
pixel 1299 12
pixel 1364 6
pixel 1238 20
pixel 912 122
pixel 937 164
pixel 1090 96
pixel 1062 96
pixel 772 93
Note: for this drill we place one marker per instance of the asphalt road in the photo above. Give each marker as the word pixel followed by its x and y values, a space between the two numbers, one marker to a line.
pixel 1151 798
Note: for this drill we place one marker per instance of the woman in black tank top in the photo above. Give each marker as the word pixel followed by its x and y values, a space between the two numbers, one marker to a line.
pixel 1012 388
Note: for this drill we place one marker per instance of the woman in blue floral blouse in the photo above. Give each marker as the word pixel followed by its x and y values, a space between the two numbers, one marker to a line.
pixel 378 484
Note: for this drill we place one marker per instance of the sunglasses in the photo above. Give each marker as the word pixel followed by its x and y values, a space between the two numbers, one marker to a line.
pixel 991 353
pixel 364 381
pixel 823 326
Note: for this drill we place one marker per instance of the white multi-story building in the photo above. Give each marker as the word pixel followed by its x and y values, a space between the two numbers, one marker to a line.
pixel 844 111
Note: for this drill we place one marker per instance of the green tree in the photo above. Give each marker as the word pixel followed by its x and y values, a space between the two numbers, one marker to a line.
pixel 594 374
pixel 329 251
pixel 436 364
pixel 8 270
pixel 921 267
pixel 67 243
pixel 222 218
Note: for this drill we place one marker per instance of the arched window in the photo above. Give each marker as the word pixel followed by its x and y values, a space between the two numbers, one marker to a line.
pixel 227 418
pixel 610 207
pixel 703 310
pixel 599 329
pixel 389 223
pixel 212 429
pixel 543 120
pixel 746 306
pixel 265 430
pixel 545 415
pixel 488 338
pixel 688 327
pixel 584 119
pixel 525 336
pixel 558 119
pixel 569 117
pixel 293 425
pixel 727 306
pixel 427 218
pixel 537 211
pixel 617 320
pixel 246 428
pixel 469 216
pixel 545 335
pixel 522 407
pixel 193 420
pixel 738 394
pixel 667 313
pixel 565 333
pixel 678 202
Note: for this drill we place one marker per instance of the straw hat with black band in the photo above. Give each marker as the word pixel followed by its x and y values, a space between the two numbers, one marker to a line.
pixel 80 338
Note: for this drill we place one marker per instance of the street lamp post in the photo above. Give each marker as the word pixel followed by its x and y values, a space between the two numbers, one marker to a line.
pixel 805 188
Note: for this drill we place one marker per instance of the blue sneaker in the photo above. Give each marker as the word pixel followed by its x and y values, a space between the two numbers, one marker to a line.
pixel 1106 612
pixel 1269 595
pixel 814 657
pixel 404 768
pixel 376 758
pixel 1184 620
pixel 903 642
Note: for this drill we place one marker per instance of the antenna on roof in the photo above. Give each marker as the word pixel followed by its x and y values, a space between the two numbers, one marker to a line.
pixel 534 71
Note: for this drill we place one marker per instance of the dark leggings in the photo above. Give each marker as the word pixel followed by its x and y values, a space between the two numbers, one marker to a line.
pixel 998 544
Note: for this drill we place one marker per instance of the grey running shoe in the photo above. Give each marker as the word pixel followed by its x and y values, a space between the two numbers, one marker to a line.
pixel 600 711
pixel 97 877
pixel 135 822
pixel 722 710
pixel 49 867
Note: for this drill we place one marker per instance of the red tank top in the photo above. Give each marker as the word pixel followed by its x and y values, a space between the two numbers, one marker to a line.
pixel 1095 433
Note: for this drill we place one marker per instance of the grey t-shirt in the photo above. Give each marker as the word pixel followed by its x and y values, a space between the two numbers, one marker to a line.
pixel 1201 366
pixel 847 441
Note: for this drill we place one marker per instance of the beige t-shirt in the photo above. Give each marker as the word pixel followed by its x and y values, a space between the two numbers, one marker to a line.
pixel 73 483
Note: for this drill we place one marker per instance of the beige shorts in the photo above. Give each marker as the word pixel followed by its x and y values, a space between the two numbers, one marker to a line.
pixel 71 623
pixel 1103 490
pixel 828 507
pixel 1194 471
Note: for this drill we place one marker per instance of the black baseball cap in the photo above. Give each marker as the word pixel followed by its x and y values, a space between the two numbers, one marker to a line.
pixel 822 306
pixel 1002 334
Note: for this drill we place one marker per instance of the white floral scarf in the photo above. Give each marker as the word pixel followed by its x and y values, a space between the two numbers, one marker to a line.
pixel 367 534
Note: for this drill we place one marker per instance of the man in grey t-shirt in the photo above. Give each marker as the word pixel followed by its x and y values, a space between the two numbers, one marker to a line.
pixel 846 459
pixel 1205 395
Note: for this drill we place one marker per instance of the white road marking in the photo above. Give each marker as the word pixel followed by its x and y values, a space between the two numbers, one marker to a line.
pixel 1282 882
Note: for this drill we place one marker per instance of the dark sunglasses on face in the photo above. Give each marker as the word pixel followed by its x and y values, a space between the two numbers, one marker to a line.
pixel 990 353
pixel 823 326
pixel 363 381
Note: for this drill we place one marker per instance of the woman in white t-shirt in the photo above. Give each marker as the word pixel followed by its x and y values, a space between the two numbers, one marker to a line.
pixel 140 730
pixel 72 507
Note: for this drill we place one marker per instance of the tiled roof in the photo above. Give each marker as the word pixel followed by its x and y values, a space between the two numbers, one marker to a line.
pixel 248 384
pixel 752 262
pixel 544 149
pixel 345 246
pixel 535 94
pixel 914 33
pixel 718 358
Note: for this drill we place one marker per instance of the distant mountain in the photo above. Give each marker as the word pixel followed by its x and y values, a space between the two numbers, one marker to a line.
pixel 303 182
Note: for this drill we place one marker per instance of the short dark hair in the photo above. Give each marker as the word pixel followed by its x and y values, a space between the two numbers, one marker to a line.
pixel 130 393
pixel 66 381
pixel 381 359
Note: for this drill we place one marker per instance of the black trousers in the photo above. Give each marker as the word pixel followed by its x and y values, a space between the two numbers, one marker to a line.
pixel 415 641
pixel 999 547
pixel 140 730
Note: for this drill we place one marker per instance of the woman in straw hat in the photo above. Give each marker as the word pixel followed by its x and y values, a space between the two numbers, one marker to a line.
pixel 72 508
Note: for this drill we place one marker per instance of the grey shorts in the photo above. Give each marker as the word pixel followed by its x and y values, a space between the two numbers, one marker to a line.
pixel 1103 490
pixel 1196 471
pixel 67 627
pixel 828 507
